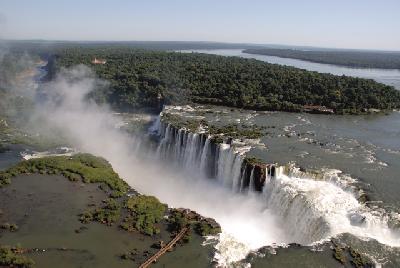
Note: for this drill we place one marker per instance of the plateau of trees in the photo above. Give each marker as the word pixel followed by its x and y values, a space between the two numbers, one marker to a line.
pixel 79 167
pixel 143 78
pixel 363 59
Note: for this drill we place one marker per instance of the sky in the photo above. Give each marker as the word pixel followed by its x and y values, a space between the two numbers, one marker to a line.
pixel 362 24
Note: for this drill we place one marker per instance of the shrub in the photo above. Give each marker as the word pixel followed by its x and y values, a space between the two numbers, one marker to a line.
pixel 9 257
pixel 145 212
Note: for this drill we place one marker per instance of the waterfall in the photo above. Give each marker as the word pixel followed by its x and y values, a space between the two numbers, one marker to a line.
pixel 311 210
pixel 252 183
pixel 168 134
pixel 155 127
pixel 236 174
pixel 194 151
pixel 226 158
pixel 299 217
pixel 308 209
pixel 204 155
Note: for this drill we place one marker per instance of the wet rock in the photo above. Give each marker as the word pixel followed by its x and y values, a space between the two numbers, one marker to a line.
pixel 364 198
pixel 259 176
pixel 357 219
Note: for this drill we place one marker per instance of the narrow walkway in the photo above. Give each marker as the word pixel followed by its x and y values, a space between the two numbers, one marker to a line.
pixel 164 249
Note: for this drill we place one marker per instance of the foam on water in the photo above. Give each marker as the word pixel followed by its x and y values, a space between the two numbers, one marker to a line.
pixel 290 209
pixel 302 209
pixel 60 151
pixel 313 210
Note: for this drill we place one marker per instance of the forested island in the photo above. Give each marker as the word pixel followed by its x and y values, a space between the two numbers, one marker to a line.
pixel 144 78
pixel 359 59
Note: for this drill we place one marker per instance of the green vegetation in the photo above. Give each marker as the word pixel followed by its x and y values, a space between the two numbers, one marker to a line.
pixel 129 255
pixel 177 220
pixel 140 78
pixel 250 160
pixel 108 214
pixel 179 122
pixel 339 254
pixel 234 131
pixel 180 218
pixel 144 213
pixel 217 139
pixel 136 127
pixel 97 202
pixel 348 255
pixel 204 228
pixel 12 227
pixel 364 59
pixel 12 257
pixel 14 64
pixel 79 167
pixel 39 142
pixel 16 124
pixel 359 261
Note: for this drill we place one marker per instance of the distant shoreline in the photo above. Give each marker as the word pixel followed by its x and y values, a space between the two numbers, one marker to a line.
pixel 355 59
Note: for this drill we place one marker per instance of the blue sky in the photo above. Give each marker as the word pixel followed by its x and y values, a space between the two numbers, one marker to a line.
pixel 370 24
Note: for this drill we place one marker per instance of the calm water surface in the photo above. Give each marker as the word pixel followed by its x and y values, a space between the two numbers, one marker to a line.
pixel 387 76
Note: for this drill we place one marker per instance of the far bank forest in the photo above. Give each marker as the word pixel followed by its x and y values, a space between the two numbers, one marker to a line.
pixel 145 78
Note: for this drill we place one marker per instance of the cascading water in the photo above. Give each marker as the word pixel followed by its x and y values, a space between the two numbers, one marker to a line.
pixel 312 210
pixel 308 210
pixel 194 151
pixel 204 155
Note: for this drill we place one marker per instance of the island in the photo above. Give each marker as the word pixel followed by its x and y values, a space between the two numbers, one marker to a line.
pixel 350 58
pixel 145 78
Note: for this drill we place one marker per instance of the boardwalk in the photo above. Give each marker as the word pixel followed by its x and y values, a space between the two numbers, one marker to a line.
pixel 164 249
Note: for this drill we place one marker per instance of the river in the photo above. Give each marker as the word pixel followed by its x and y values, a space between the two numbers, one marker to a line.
pixel 350 154
pixel 365 148
pixel 363 151
pixel 386 76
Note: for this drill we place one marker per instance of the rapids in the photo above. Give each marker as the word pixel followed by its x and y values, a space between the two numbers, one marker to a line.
pixel 304 210
pixel 196 173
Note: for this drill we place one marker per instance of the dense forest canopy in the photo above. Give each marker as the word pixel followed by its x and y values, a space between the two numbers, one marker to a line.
pixel 363 59
pixel 139 78
pixel 45 47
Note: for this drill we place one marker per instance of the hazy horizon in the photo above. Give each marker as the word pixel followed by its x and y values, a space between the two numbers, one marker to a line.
pixel 266 45
pixel 340 24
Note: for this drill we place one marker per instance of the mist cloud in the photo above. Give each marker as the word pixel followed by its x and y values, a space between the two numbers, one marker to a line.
pixel 91 128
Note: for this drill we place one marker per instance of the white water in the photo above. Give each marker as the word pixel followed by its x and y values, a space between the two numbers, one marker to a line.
pixel 288 210
pixel 61 151
pixel 312 210
pixel 303 210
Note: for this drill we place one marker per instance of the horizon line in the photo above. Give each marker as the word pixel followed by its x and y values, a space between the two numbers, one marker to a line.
pixel 198 41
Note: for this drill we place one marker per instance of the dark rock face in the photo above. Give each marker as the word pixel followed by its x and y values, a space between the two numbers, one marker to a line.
pixel 259 176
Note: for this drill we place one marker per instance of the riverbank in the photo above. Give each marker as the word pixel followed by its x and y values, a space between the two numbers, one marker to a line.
pixel 249 220
pixel 52 224
pixel 158 78
pixel 356 59
pixel 385 76
pixel 246 152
